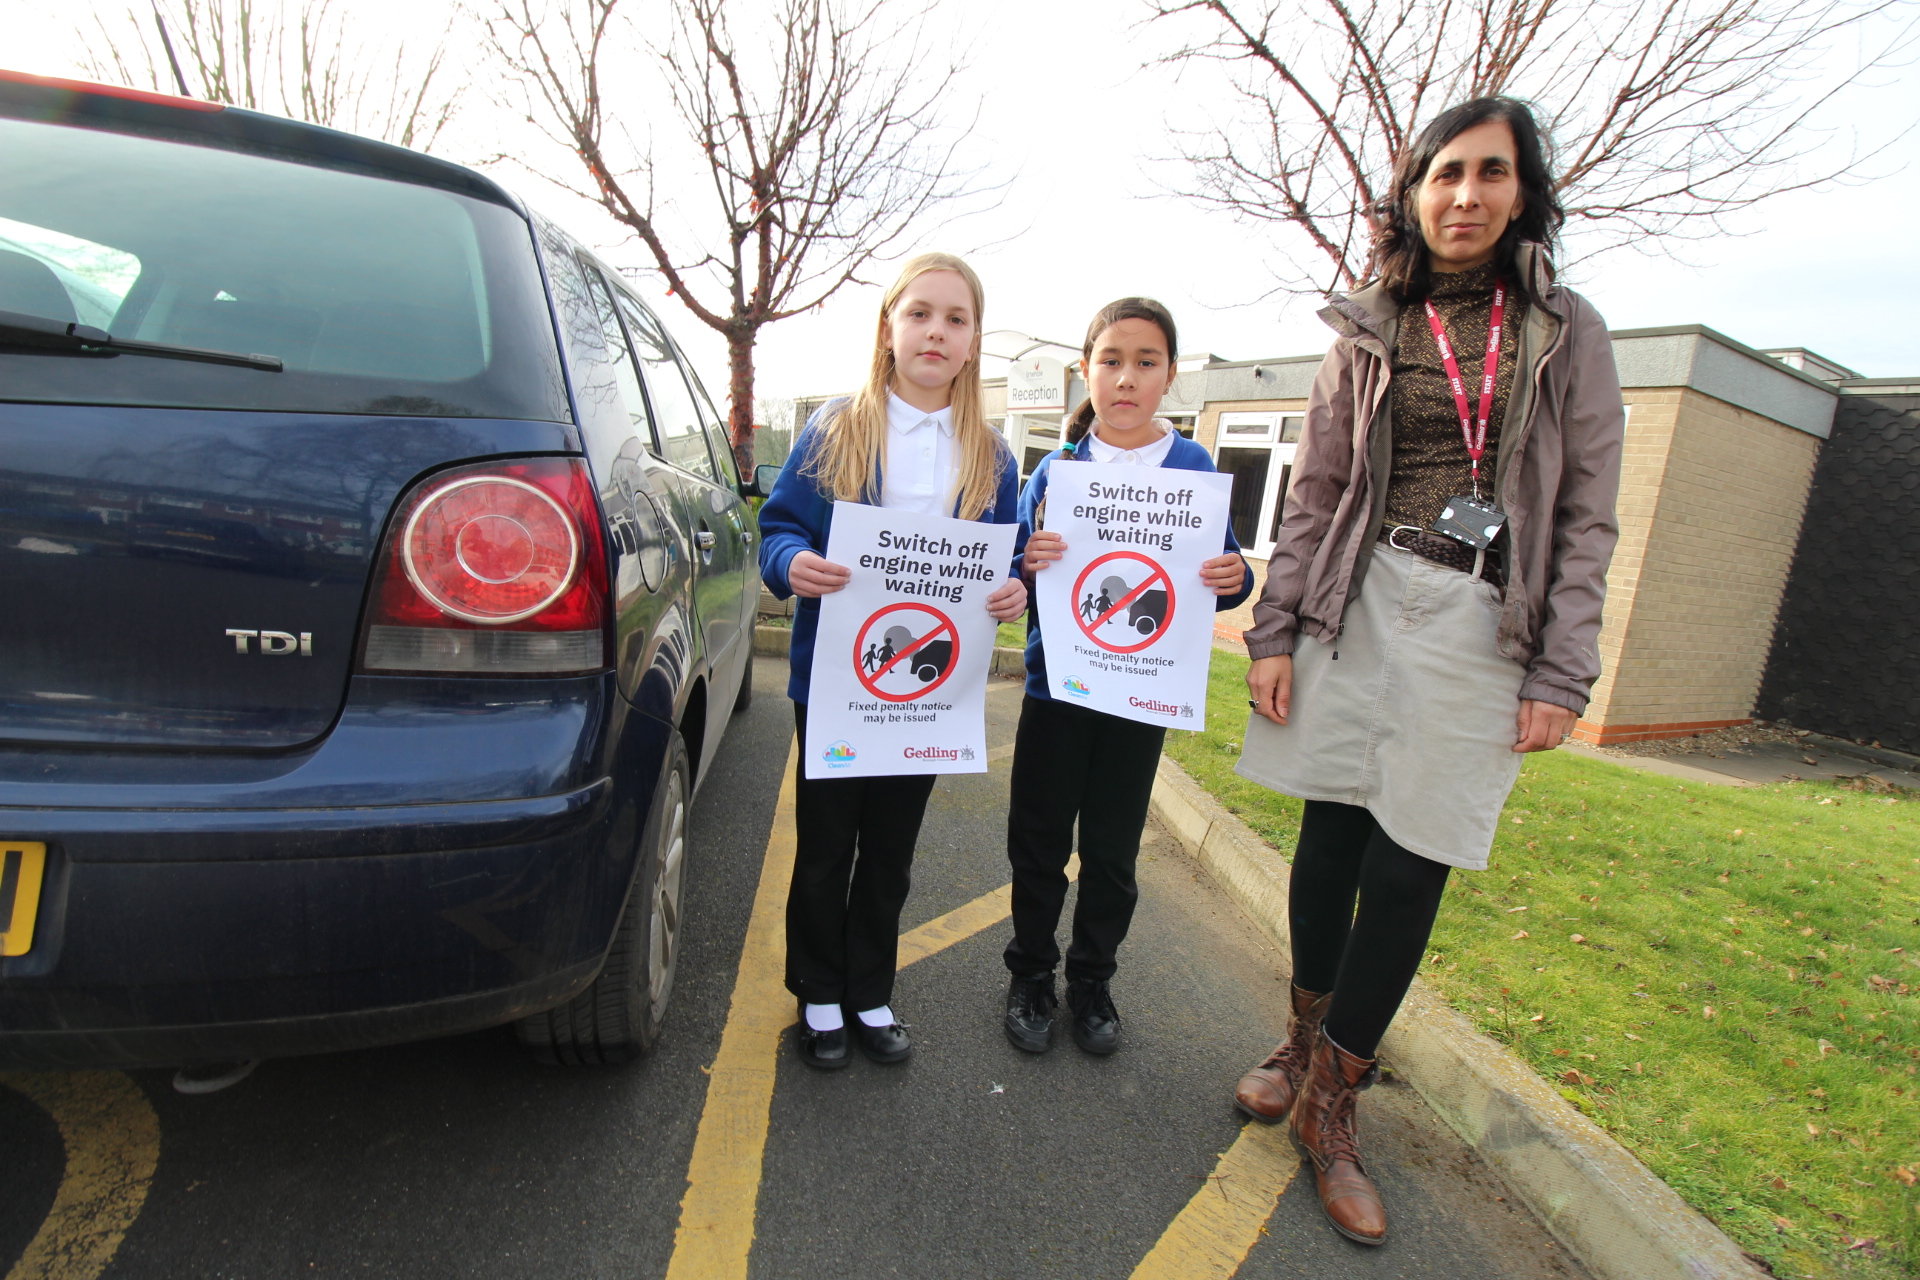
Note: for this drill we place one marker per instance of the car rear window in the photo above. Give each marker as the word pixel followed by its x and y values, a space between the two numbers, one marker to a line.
pixel 380 296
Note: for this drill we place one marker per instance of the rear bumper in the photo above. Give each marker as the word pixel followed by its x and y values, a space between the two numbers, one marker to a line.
pixel 454 855
pixel 287 1037
pixel 155 962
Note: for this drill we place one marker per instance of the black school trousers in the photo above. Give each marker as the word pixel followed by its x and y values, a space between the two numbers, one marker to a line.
pixel 852 868
pixel 1072 763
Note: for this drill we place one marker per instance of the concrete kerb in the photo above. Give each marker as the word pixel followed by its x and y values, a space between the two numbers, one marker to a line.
pixel 773 642
pixel 1606 1207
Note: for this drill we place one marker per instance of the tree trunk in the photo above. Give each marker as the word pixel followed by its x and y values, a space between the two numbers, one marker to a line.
pixel 740 393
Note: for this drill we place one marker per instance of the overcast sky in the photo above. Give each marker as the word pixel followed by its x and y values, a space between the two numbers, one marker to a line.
pixel 1075 123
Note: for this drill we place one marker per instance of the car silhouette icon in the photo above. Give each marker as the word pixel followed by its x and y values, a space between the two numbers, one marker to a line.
pixel 1148 612
pixel 931 659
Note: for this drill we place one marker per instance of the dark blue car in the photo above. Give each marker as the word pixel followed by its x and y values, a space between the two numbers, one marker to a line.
pixel 377 585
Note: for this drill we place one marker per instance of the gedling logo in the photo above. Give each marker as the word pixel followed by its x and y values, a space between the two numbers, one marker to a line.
pixel 931 753
pixel 841 752
pixel 1073 686
pixel 1148 704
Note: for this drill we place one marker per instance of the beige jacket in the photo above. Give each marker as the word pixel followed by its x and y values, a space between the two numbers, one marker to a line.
pixel 1557 475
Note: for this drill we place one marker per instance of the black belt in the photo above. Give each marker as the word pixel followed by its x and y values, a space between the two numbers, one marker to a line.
pixel 1445 551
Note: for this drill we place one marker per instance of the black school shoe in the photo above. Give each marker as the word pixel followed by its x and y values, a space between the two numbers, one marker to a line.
pixel 885 1045
pixel 1096 1023
pixel 1030 1006
pixel 823 1050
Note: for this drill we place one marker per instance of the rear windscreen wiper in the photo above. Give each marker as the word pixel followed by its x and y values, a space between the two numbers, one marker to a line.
pixel 18 329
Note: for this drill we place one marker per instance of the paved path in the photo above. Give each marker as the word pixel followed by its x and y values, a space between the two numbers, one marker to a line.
pixel 458 1157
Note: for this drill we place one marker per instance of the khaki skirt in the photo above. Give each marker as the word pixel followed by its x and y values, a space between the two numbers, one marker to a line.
pixel 1410 712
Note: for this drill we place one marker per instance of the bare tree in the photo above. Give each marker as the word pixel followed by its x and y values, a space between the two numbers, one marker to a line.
pixel 1667 114
pixel 267 58
pixel 825 144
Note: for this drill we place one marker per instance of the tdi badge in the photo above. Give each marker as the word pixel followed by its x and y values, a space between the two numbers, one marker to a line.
pixel 1473 521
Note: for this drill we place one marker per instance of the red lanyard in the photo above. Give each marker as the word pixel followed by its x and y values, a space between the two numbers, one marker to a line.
pixel 1474 430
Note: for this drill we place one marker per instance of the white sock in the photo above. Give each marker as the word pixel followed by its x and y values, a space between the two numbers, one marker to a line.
pixel 825 1017
pixel 881 1017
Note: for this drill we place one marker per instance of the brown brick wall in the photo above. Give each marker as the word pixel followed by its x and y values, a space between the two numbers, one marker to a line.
pixel 1710 503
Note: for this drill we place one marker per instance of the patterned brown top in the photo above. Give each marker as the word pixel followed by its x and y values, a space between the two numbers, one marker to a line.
pixel 1430 462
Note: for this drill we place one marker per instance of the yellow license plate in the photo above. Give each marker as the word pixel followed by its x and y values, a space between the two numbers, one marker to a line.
pixel 21 864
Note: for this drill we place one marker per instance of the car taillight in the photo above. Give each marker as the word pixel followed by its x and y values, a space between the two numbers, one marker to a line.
pixel 496 569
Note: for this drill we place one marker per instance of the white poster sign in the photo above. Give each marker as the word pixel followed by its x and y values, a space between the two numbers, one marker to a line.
pixel 1036 383
pixel 900 662
pixel 1127 623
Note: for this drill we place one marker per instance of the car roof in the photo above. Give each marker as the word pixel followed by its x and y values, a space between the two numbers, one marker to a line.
pixel 85 104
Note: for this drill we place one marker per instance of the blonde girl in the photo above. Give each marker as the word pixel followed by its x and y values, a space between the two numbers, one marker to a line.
pixel 913 438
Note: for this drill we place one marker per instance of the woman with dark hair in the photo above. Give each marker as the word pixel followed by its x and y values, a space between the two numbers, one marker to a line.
pixel 1445 542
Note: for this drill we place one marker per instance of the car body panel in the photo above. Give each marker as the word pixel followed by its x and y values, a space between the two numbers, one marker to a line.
pixel 347 858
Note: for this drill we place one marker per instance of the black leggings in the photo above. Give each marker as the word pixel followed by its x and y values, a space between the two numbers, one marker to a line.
pixel 1366 958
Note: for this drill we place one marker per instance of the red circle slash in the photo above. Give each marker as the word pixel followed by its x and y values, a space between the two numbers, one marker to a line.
pixel 1156 574
pixel 872 682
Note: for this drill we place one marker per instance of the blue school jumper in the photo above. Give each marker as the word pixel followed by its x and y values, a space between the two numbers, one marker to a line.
pixel 797 517
pixel 1184 455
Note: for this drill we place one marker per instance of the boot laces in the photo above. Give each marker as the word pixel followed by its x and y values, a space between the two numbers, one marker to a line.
pixel 1296 1051
pixel 1033 997
pixel 1339 1136
pixel 1092 1000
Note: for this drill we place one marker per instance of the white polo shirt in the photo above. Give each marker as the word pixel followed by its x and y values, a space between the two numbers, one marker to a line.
pixel 1148 455
pixel 919 472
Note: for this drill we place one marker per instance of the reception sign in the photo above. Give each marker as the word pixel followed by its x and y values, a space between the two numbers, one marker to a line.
pixel 900 662
pixel 1126 621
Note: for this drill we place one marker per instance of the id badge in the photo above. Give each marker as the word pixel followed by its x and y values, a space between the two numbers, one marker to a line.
pixel 1473 521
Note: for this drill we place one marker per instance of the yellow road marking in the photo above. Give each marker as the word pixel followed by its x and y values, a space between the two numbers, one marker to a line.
pixel 1212 1236
pixel 984 912
pixel 715 1233
pixel 112 1141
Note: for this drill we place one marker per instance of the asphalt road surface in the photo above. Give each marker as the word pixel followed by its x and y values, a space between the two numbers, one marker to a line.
pixel 459 1157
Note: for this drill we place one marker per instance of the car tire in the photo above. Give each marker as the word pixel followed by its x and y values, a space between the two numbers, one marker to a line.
pixel 744 699
pixel 619 1016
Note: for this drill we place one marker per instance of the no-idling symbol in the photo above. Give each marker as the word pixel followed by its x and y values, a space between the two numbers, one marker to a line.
pixel 1123 593
pixel 905 651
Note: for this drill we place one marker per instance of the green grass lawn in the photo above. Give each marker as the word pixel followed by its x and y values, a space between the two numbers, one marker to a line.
pixel 1727 979
pixel 1013 635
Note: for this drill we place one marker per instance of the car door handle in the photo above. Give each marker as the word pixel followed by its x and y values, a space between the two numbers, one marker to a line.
pixel 746 536
pixel 704 540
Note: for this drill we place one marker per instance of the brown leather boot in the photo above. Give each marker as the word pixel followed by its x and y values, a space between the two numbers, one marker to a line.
pixel 1266 1092
pixel 1323 1128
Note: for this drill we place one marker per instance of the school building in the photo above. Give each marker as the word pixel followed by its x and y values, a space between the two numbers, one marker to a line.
pixel 1725 447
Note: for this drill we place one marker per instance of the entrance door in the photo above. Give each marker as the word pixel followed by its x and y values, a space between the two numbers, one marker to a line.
pixel 1248 467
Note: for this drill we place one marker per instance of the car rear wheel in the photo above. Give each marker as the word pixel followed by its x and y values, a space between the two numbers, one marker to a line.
pixel 619 1016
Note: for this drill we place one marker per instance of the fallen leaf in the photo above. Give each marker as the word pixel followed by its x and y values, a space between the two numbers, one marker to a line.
pixel 1561 1053
pixel 1783 1224
pixel 1706 1011
pixel 1511 910
pixel 1906 1175
pixel 1632 1036
pixel 1788 1062
pixel 1739 832
pixel 1522 934
pixel 1638 1069
pixel 1538 1017
pixel 1578 938
pixel 1813 1130
pixel 1779 1184
pixel 1826 1047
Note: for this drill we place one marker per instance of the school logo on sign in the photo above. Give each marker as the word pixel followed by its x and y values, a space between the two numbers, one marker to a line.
pixel 1073 686
pixel 1123 601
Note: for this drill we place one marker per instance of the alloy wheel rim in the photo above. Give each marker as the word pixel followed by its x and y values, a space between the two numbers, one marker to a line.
pixel 663 953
